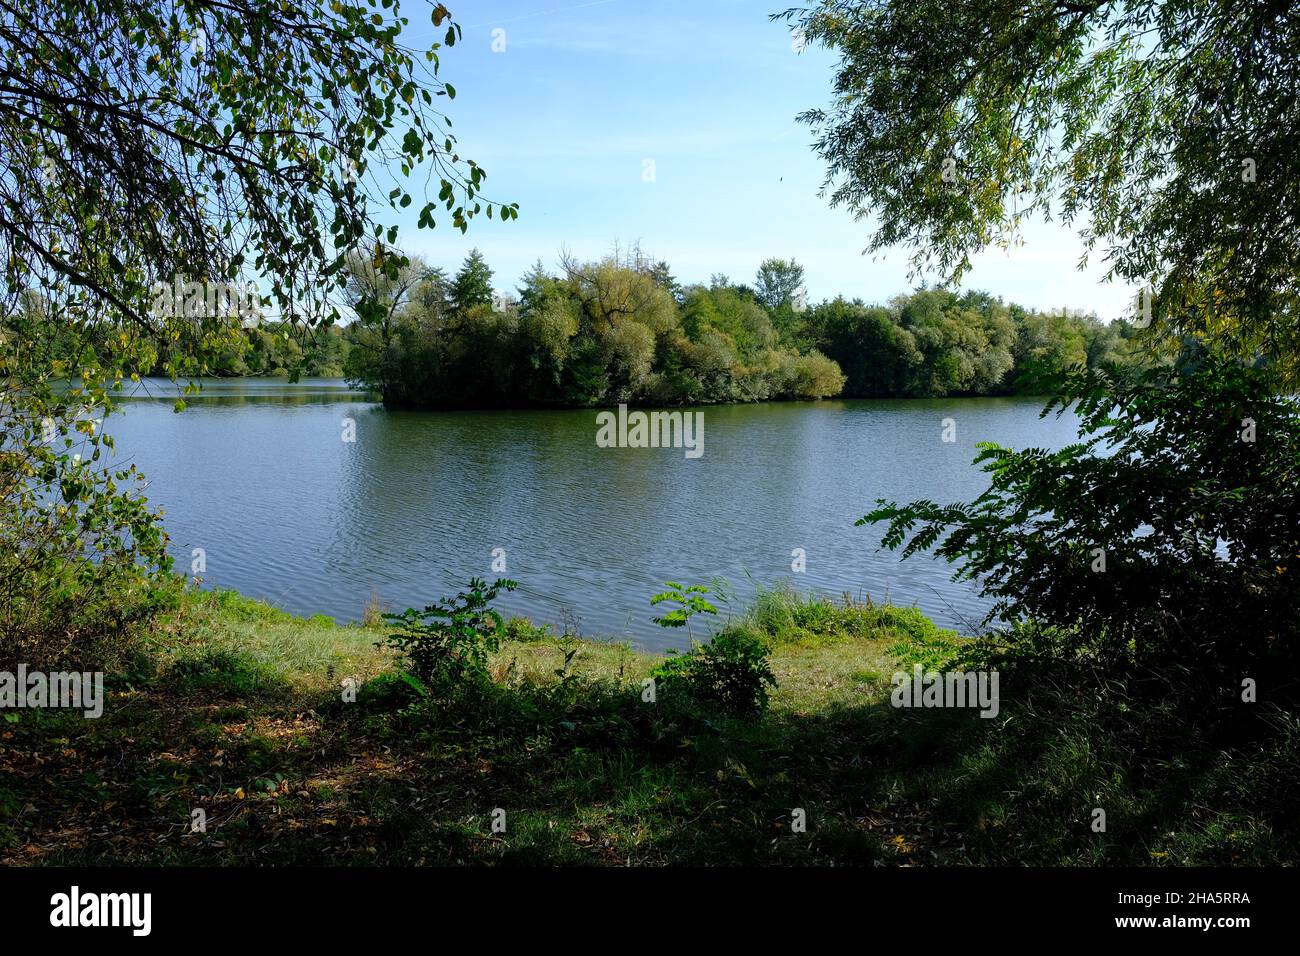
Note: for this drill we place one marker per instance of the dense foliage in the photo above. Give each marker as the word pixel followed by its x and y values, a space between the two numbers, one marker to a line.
pixel 446 646
pixel 631 332
pixel 732 673
pixel 603 332
pixel 270 348
pixel 935 343
pixel 214 142
pixel 1163 128
pixel 164 171
pixel 1167 537
pixel 81 552
pixel 624 330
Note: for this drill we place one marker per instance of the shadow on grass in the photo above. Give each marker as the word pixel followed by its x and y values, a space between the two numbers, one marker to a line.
pixel 584 772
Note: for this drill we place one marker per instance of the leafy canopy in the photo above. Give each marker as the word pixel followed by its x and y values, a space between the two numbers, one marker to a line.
pixel 213 141
pixel 1165 129
pixel 1170 531
pixel 148 146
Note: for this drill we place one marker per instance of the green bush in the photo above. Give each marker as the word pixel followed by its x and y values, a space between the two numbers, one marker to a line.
pixel 387 692
pixel 446 645
pixel 731 673
pixel 524 631
pixel 57 611
pixel 1166 538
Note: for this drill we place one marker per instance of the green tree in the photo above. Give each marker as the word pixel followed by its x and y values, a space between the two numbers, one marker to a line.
pixel 473 283
pixel 777 283
pixel 432 294
pixel 206 148
pixel 382 285
pixel 1166 129
pixel 536 284
pixel 215 142
pixel 661 272
pixel 1168 536
pixel 878 356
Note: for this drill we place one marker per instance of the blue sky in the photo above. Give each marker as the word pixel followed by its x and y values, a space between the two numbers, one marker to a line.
pixel 565 119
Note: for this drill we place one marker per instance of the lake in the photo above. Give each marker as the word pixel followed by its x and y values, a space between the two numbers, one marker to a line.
pixel 260 474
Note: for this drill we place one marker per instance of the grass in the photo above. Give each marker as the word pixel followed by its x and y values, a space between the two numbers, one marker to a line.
pixel 236 710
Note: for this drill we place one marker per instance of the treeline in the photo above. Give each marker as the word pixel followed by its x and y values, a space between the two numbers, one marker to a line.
pixel 624 330
pixel 936 343
pixel 618 330
pixel 280 348
pixel 270 348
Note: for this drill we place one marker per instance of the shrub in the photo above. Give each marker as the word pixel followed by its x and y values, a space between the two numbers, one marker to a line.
pixel 446 645
pixel 84 569
pixel 221 672
pixel 524 631
pixel 388 692
pixel 1167 537
pixel 58 611
pixel 731 673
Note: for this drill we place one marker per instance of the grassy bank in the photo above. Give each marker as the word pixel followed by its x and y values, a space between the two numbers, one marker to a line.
pixel 236 709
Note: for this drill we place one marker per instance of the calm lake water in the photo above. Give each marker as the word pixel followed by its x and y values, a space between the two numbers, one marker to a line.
pixel 257 473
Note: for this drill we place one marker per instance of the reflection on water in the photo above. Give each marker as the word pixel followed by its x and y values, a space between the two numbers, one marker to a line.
pixel 257 473
pixel 244 391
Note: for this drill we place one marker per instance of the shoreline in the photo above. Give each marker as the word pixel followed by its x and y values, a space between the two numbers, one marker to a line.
pixel 239 715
